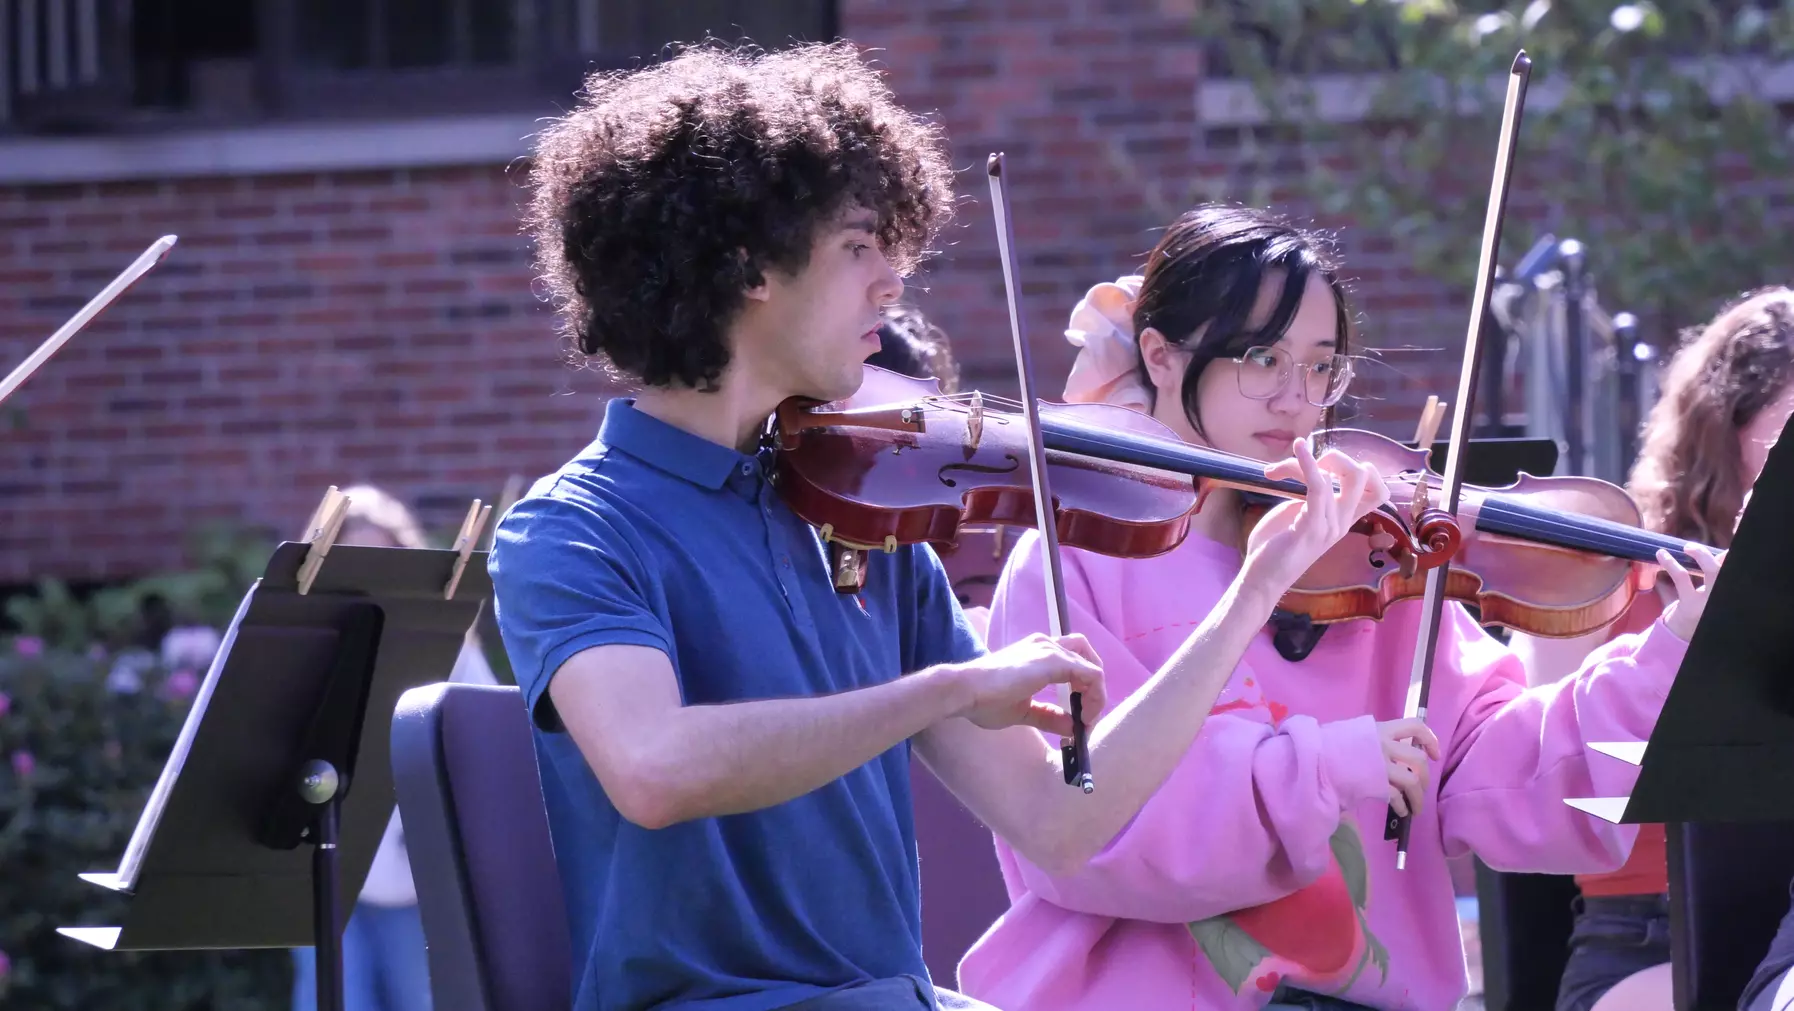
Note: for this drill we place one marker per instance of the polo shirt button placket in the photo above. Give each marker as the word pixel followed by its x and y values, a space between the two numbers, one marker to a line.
pixel 783 560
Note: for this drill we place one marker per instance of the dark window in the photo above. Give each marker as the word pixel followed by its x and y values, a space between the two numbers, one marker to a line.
pixel 85 65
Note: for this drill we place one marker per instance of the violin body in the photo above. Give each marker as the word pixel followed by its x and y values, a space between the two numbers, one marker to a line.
pixel 901 463
pixel 1529 586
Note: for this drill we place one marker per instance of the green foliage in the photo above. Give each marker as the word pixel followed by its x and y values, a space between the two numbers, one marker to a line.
pixel 77 761
pixel 87 717
pixel 1645 134
pixel 225 559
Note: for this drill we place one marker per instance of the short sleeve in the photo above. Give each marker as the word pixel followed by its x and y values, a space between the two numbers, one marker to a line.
pixel 942 633
pixel 565 579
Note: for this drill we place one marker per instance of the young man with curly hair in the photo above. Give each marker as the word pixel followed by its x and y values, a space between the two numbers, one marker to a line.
pixel 724 739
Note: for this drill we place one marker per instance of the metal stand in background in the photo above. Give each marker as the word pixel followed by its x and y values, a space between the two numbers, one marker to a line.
pixel 1589 382
pixel 1634 363
pixel 1575 345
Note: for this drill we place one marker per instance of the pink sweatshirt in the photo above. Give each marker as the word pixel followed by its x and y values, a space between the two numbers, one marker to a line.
pixel 1262 856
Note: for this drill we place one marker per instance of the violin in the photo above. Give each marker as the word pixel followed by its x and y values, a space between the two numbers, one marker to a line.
pixel 901 463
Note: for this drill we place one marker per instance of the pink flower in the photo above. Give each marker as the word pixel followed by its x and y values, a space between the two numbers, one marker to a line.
pixel 5 704
pixel 96 652
pixel 23 764
pixel 181 684
pixel 28 645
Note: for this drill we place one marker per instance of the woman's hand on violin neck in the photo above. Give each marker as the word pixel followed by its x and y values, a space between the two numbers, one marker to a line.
pixel 1684 614
pixel 997 690
pixel 1295 534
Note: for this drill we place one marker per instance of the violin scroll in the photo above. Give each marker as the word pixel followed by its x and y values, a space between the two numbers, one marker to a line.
pixel 1439 536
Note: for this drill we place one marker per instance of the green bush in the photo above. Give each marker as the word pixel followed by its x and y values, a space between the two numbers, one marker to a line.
pixel 87 718
pixel 225 560
pixel 80 749
pixel 1651 132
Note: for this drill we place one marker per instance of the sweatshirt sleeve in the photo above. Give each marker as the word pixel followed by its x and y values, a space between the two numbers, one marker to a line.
pixel 1244 818
pixel 1518 753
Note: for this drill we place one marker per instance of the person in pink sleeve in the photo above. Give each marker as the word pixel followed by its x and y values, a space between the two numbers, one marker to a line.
pixel 1257 874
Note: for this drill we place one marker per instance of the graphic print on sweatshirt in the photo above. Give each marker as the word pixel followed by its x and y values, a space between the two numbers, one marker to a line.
pixel 1315 937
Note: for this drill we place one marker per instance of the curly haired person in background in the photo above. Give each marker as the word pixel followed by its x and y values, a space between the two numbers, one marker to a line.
pixel 1725 397
pixel 724 737
pixel 910 344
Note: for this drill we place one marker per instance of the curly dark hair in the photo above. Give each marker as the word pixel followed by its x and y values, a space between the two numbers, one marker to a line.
pixel 910 344
pixel 660 199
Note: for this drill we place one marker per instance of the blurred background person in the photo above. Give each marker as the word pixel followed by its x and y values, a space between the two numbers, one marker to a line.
pixel 1726 395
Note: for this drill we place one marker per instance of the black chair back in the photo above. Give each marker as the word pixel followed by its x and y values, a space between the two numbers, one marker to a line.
pixel 470 797
pixel 1728 887
pixel 1524 921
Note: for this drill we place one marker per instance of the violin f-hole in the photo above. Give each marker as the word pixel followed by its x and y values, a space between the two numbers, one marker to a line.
pixel 976 468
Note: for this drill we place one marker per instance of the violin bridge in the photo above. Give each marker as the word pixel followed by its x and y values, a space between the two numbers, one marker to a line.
pixel 974 422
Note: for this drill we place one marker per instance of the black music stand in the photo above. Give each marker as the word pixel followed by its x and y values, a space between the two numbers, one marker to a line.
pixel 278 750
pixel 1722 754
pixel 1498 462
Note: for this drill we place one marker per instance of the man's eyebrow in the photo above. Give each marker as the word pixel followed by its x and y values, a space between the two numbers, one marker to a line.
pixel 867 223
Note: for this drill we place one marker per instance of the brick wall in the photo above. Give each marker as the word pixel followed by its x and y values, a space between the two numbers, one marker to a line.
pixel 1094 105
pixel 307 330
pixel 332 328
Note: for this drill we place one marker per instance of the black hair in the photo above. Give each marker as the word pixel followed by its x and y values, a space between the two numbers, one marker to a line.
pixel 1205 274
pixel 668 191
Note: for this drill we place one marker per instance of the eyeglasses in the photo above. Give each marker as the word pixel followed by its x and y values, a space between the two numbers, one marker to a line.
pixel 1264 371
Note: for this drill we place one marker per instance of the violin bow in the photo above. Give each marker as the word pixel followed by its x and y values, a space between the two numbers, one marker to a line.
pixel 1075 753
pixel 1420 679
pixel 96 305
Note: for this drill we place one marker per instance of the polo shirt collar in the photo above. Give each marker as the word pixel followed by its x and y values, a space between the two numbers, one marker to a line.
pixel 678 452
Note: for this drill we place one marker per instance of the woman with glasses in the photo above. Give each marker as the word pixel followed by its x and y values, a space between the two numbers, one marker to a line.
pixel 1258 875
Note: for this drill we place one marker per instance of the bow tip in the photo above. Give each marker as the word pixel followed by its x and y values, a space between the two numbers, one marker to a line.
pixel 1522 63
pixel 993 166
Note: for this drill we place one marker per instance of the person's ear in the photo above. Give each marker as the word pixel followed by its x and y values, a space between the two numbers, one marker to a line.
pixel 1163 359
pixel 757 288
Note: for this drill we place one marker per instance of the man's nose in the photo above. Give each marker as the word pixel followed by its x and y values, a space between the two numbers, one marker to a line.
pixel 889 287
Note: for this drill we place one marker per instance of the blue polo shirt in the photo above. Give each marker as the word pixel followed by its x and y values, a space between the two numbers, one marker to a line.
pixel 655 537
